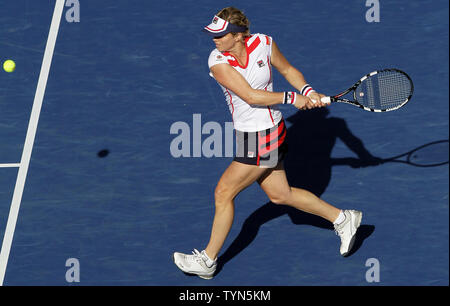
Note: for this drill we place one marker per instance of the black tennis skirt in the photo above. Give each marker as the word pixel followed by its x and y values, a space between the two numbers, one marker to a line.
pixel 264 148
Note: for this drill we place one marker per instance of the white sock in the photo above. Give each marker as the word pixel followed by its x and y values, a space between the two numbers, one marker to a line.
pixel 209 261
pixel 340 218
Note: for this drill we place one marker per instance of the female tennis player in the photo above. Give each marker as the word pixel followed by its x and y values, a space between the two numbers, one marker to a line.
pixel 242 65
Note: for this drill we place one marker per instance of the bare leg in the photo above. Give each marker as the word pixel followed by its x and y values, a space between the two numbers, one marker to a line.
pixel 275 185
pixel 236 177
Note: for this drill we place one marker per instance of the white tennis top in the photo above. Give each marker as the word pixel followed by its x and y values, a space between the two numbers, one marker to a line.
pixel 258 73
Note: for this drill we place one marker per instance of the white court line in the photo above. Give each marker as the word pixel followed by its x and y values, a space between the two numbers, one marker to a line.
pixel 29 139
pixel 9 165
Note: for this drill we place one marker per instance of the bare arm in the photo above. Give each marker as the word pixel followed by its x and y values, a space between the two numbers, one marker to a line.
pixel 293 75
pixel 289 72
pixel 228 77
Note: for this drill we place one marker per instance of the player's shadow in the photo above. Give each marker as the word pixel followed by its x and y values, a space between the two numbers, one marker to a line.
pixel 308 165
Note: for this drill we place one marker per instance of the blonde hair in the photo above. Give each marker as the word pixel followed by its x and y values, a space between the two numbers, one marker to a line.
pixel 236 17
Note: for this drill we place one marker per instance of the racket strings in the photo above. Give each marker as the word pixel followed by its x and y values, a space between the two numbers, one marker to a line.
pixel 385 90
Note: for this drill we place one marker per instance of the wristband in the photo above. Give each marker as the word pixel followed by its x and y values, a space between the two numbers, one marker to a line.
pixel 289 97
pixel 307 90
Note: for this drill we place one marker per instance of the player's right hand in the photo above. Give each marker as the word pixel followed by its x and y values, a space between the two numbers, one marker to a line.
pixel 303 103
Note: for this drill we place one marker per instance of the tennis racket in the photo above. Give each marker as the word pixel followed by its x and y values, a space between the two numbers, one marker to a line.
pixel 379 91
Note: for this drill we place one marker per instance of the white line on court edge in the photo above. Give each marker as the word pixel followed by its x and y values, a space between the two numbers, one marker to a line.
pixel 29 139
pixel 9 165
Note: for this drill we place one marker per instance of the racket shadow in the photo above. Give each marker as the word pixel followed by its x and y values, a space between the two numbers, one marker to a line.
pixel 308 164
pixel 432 154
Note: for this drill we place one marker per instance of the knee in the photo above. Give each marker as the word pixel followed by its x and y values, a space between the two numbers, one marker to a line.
pixel 222 195
pixel 279 197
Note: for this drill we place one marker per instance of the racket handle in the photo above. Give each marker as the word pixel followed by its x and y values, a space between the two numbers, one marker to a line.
pixel 323 99
pixel 326 100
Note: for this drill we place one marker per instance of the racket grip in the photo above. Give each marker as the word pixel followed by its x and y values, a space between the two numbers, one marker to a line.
pixel 326 100
pixel 323 99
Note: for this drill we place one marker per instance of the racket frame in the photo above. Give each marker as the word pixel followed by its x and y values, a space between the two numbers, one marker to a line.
pixel 337 98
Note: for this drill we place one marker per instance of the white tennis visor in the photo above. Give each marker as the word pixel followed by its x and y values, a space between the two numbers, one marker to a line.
pixel 220 27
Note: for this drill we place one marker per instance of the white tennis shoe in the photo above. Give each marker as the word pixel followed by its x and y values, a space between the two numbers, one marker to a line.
pixel 197 263
pixel 347 230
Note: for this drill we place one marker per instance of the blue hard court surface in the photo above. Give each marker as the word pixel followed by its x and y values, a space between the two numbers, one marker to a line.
pixel 130 69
